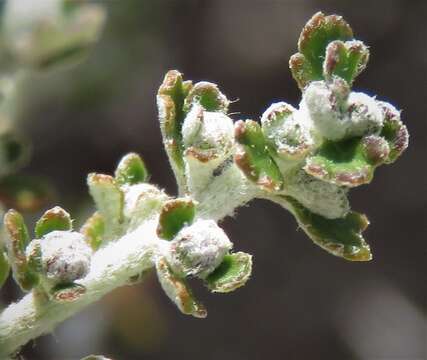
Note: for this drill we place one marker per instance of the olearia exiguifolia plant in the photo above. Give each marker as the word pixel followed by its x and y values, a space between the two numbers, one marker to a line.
pixel 305 159
pixel 36 37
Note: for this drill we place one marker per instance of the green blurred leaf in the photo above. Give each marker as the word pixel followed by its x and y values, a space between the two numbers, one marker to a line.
pixel 253 156
pixel 170 103
pixel 109 200
pixel 342 162
pixel 346 60
pixel 231 274
pixel 208 96
pixel 320 30
pixel 131 170
pixel 178 291
pixel 53 219
pixel 93 230
pixel 4 268
pixel 17 239
pixel 174 215
pixel 341 237
pixel 394 132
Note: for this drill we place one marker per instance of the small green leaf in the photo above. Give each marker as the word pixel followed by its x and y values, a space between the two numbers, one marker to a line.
pixel 93 230
pixel 4 268
pixel 34 256
pixel 174 216
pixel 341 237
pixel 301 70
pixel 170 103
pixel 109 200
pixel 53 219
pixel 345 59
pixel 25 193
pixel 394 132
pixel 131 170
pixel 232 273
pixel 208 96
pixel 253 157
pixel 67 293
pixel 342 163
pixel 17 240
pixel 320 30
pixel 178 291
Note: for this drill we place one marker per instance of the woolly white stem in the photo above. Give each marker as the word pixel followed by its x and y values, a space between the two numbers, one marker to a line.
pixel 115 264
pixel 224 194
pixel 111 267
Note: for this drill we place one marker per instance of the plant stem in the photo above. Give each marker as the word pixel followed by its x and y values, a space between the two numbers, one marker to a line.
pixel 112 266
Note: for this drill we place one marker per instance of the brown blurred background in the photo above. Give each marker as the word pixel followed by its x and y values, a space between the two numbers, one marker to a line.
pixel 301 303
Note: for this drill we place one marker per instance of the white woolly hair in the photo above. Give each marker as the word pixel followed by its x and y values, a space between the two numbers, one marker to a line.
pixel 198 249
pixel 65 256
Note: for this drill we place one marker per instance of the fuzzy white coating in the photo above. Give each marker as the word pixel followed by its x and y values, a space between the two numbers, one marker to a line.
pixel 337 114
pixel 133 194
pixel 320 197
pixel 324 107
pixel 198 249
pixel 208 130
pixel 65 256
pixel 290 133
pixel 365 114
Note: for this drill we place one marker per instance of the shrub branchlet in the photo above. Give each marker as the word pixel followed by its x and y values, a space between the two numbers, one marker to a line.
pixel 305 159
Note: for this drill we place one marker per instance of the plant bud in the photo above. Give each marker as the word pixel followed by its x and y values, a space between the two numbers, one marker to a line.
pixel 198 249
pixel 207 135
pixel 365 115
pixel 288 133
pixel 337 114
pixel 65 256
pixel 325 102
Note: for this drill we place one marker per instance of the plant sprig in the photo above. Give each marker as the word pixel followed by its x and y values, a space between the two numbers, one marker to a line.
pixel 306 159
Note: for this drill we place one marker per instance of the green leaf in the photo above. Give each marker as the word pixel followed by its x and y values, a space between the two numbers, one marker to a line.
pixel 17 240
pixel 131 170
pixel 394 132
pixel 67 293
pixel 301 70
pixel 25 193
pixel 174 216
pixel 232 273
pixel 109 200
pixel 208 96
pixel 178 291
pixel 170 103
pixel 342 163
pixel 341 237
pixel 253 157
pixel 52 220
pixel 4 268
pixel 346 60
pixel 320 30
pixel 93 230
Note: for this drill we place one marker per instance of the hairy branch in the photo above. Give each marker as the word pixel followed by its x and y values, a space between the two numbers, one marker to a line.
pixel 306 159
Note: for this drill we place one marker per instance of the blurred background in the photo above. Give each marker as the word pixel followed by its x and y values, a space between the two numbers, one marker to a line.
pixel 301 303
